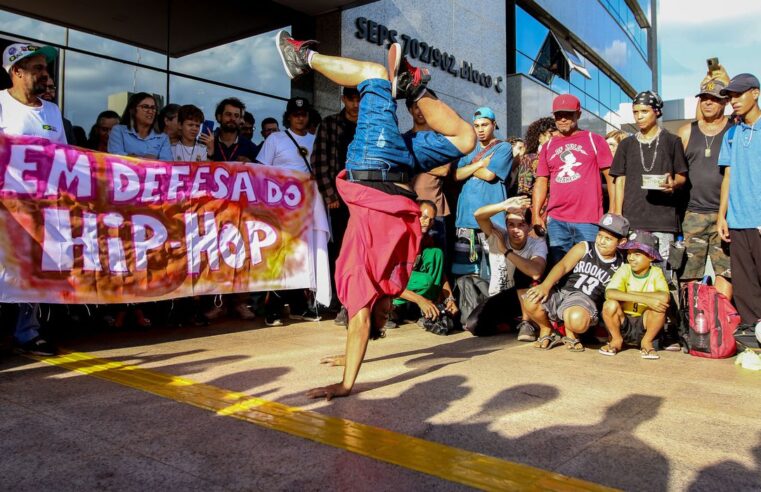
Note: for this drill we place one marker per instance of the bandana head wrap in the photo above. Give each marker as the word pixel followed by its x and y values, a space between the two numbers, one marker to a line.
pixel 650 98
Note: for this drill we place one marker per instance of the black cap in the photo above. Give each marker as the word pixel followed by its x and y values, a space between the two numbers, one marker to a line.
pixel 297 104
pixel 615 224
pixel 741 83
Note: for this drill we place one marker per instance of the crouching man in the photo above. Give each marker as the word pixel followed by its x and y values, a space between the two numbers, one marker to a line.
pixel 637 298
pixel 516 261
pixel 583 273
pixel 428 283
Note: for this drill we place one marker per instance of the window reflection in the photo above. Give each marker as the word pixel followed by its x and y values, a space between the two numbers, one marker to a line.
pixel 90 81
pixel 251 63
pixel 32 28
pixel 115 49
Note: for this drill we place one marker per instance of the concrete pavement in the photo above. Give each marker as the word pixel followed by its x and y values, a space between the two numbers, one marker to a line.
pixel 674 424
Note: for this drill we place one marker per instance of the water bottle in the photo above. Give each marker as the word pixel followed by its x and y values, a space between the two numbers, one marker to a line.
pixel 702 336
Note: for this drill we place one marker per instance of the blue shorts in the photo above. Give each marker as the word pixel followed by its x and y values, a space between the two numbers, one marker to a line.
pixel 379 146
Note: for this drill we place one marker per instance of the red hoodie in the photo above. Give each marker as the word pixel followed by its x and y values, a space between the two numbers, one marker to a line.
pixel 379 247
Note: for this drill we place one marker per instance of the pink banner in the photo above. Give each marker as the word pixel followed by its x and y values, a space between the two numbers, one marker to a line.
pixel 85 227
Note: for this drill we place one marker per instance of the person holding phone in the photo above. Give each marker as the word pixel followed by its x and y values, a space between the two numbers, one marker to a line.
pixel 194 145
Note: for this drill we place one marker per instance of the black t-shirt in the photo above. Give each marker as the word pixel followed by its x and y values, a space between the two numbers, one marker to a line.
pixel 242 147
pixel 592 274
pixel 650 210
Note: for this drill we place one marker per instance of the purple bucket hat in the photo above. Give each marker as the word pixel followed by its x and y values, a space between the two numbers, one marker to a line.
pixel 645 242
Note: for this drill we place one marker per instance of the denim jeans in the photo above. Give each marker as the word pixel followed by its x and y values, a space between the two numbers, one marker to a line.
pixel 378 145
pixel 27 324
pixel 564 235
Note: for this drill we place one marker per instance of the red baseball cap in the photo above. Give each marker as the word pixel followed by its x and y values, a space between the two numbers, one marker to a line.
pixel 566 102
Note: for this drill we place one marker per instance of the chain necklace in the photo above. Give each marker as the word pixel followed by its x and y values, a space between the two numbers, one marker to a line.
pixel 707 152
pixel 642 154
pixel 183 148
pixel 746 143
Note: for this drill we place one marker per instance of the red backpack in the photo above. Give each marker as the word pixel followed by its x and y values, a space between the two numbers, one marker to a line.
pixel 709 321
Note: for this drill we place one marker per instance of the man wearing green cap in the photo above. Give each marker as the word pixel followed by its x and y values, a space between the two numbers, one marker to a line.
pixel 23 112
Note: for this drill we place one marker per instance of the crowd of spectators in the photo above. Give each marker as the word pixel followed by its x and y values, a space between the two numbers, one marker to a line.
pixel 587 247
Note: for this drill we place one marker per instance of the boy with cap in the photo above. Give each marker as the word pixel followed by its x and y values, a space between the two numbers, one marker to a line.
pixel 739 220
pixel 569 169
pixel 484 171
pixel 24 112
pixel 702 141
pixel 383 235
pixel 637 298
pixel 585 272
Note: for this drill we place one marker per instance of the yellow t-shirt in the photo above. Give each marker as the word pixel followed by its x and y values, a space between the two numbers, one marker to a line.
pixel 626 281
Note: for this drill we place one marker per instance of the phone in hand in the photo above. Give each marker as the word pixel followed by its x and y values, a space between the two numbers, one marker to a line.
pixel 713 64
pixel 206 128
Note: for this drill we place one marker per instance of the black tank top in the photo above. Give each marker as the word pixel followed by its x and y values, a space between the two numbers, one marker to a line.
pixel 592 274
pixel 705 176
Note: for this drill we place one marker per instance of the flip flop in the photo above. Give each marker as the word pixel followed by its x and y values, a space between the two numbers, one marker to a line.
pixel 572 344
pixel 649 354
pixel 608 350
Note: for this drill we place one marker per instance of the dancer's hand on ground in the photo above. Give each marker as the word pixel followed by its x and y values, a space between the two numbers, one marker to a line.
pixel 428 309
pixel 329 392
pixel 334 360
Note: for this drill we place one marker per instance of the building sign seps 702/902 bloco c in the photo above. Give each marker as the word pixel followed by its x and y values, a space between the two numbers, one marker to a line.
pixel 379 34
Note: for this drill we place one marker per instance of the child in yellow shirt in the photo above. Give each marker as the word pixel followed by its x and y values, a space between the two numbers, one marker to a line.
pixel 637 298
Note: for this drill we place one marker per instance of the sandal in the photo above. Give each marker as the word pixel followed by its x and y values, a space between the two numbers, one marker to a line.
pixel 552 340
pixel 572 344
pixel 649 354
pixel 608 350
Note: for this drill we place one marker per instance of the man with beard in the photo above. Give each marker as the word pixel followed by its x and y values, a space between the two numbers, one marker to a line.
pixel 229 146
pixel 23 112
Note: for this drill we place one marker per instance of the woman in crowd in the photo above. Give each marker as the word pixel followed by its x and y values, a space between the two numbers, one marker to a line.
pixel 135 135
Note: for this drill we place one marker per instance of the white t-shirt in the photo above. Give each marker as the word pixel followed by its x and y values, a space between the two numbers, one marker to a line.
pixel 279 150
pixel 503 270
pixel 41 121
pixel 194 153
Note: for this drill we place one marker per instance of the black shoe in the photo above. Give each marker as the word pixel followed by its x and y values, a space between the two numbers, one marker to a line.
pixel 308 314
pixel 293 54
pixel 407 81
pixel 342 319
pixel 37 346
pixel 273 320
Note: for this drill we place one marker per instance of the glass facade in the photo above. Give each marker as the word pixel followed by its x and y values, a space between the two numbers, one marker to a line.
pixel 96 73
pixel 598 94
pixel 625 17
pixel 592 22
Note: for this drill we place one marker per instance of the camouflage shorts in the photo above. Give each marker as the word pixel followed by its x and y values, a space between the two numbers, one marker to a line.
pixel 701 240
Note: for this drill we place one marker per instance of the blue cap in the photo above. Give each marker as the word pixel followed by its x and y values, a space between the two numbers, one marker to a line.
pixel 741 83
pixel 484 112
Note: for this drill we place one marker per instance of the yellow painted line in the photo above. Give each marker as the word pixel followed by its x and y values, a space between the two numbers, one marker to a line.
pixel 449 463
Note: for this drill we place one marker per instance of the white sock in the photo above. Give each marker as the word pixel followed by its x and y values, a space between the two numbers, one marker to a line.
pixel 310 54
